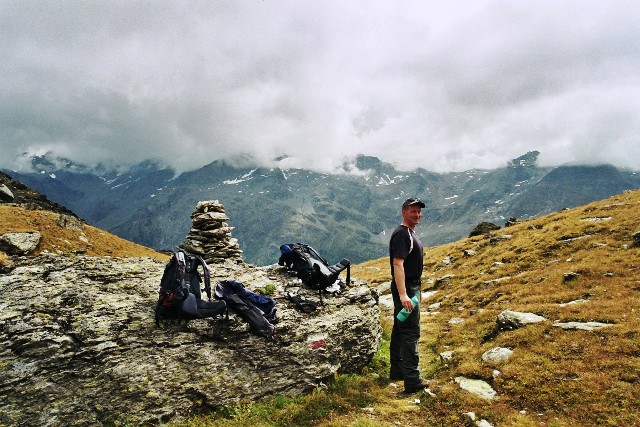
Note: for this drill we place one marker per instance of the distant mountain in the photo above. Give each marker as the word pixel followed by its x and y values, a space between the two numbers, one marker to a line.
pixel 572 186
pixel 342 215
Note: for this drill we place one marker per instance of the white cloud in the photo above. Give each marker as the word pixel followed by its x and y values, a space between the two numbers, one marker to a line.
pixel 420 83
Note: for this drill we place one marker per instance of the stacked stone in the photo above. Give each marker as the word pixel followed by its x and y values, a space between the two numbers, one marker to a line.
pixel 210 235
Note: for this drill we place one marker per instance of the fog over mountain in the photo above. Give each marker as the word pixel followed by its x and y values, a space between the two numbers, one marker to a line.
pixel 442 86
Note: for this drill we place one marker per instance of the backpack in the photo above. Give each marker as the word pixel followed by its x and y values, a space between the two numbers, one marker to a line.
pixel 314 271
pixel 257 310
pixel 180 296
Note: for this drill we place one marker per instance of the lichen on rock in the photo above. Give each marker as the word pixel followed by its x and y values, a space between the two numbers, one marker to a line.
pixel 81 346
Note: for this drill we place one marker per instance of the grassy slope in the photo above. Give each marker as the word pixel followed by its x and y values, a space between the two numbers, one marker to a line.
pixel 554 378
pixel 62 240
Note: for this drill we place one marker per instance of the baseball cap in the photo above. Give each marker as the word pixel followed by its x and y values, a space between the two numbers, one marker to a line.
pixel 413 201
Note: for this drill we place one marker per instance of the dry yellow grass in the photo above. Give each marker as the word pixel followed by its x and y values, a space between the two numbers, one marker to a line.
pixel 61 240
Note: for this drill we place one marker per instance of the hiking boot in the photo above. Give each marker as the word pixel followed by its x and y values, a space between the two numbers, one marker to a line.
pixel 416 388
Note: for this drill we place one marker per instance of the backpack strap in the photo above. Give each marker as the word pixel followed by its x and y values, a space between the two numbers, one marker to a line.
pixel 181 264
pixel 410 240
pixel 207 275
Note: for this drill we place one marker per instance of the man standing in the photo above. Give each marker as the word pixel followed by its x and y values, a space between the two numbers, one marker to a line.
pixel 406 257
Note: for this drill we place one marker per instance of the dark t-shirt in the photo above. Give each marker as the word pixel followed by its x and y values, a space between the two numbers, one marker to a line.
pixel 399 246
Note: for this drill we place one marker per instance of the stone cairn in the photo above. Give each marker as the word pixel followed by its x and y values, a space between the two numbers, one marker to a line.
pixel 210 235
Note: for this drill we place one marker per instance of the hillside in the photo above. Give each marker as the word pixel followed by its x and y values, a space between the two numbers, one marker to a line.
pixel 25 210
pixel 64 240
pixel 578 265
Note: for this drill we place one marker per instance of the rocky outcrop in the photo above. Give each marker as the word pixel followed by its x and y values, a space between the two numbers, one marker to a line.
pixel 80 346
pixel 6 195
pixel 210 234
pixel 484 228
pixel 19 243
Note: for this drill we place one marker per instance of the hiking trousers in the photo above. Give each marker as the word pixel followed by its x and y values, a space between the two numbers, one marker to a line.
pixel 403 348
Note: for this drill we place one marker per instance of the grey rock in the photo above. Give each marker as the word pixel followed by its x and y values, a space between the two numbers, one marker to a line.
pixel 478 387
pixel 574 302
pixel 484 228
pixel 446 356
pixel 443 280
pixel 584 326
pixel 513 319
pixel 70 221
pixel 80 346
pixel 479 423
pixel 497 355
pixel 434 306
pixel 210 235
pixel 512 221
pixel 19 243
pixel 6 195
pixel 567 277
pixel 501 238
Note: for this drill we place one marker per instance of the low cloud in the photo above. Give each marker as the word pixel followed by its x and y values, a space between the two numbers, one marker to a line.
pixel 418 84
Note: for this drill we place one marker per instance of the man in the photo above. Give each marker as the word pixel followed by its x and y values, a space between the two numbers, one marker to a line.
pixel 406 257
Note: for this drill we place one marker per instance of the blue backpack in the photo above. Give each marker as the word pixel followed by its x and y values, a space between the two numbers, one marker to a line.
pixel 257 310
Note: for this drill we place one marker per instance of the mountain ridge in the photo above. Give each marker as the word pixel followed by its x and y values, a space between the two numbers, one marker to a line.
pixel 341 215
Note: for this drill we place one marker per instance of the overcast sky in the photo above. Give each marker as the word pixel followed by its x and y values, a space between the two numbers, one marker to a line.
pixel 446 86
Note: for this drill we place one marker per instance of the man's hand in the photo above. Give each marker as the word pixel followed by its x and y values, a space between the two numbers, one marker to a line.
pixel 406 302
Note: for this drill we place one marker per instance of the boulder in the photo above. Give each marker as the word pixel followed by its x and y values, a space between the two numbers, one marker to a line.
pixel 478 387
pixel 6 195
pixel 484 228
pixel 497 355
pixel 513 319
pixel 19 243
pixel 70 221
pixel 80 346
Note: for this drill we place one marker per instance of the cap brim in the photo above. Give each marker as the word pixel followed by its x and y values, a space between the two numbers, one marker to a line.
pixel 417 202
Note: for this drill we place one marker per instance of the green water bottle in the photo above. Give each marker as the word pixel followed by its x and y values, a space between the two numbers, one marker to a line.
pixel 404 313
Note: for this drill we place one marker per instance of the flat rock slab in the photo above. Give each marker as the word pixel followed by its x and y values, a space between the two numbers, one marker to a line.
pixel 80 346
pixel 584 326
pixel 478 387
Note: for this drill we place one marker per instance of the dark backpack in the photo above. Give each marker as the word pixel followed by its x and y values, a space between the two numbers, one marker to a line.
pixel 257 310
pixel 180 294
pixel 314 271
